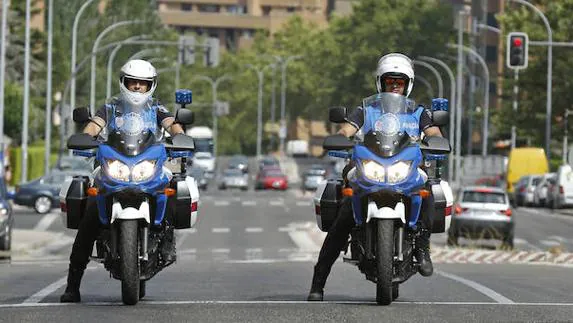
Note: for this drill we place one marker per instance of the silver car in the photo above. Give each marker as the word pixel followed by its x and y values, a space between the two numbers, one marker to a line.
pixel 234 178
pixel 482 213
pixel 312 178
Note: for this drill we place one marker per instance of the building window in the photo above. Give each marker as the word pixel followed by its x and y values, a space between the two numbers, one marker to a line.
pixel 186 7
pixel 237 9
pixel 291 9
pixel 248 34
pixel 491 21
pixel 492 87
pixel 491 54
pixel 209 8
pixel 266 10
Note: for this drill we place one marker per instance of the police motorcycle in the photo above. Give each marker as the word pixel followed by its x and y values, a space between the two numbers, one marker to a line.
pixel 136 195
pixel 386 188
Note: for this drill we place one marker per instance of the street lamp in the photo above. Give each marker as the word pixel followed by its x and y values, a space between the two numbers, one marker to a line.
pixel 74 52
pixel 436 74
pixel 94 52
pixel 452 104
pixel 283 62
pixel 48 130
pixel 110 62
pixel 260 74
pixel 486 94
pixel 26 100
pixel 2 69
pixel 214 84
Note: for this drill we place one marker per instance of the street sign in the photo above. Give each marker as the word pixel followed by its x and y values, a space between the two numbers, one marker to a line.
pixel 187 47
pixel 282 132
pixel 221 108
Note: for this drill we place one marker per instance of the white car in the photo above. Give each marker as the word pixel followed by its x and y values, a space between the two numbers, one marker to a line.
pixel 561 193
pixel 206 161
pixel 542 188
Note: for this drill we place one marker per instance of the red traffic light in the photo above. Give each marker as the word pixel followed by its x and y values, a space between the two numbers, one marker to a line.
pixel 517 41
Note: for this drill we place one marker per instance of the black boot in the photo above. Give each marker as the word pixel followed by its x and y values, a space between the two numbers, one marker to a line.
pixel 168 246
pixel 72 293
pixel 317 288
pixel 422 253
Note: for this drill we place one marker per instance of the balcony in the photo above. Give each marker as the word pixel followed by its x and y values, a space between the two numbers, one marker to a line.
pixel 214 20
pixel 294 3
pixel 219 2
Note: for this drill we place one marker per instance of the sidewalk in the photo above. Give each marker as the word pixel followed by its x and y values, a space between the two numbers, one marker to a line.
pixel 28 244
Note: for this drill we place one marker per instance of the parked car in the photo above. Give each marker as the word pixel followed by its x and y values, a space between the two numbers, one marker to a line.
pixel 198 174
pixel 271 178
pixel 561 193
pixel 268 161
pixel 540 192
pixel 312 177
pixel 524 189
pixel 234 178
pixel 43 193
pixel 6 222
pixel 71 163
pixel 240 162
pixel 482 213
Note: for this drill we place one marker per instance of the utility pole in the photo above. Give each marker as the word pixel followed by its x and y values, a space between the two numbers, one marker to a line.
pixel 48 130
pixel 565 136
pixel 515 102
pixel 26 103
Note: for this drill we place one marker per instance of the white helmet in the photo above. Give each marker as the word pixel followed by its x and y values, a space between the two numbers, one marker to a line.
pixel 395 65
pixel 139 70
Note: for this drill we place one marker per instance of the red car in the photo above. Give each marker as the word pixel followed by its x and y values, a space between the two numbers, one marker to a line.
pixel 271 178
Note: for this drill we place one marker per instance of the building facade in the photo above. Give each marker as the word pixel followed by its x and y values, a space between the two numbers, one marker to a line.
pixel 234 22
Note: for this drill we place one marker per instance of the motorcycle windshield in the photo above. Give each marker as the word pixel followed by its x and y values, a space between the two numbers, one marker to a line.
pixel 389 125
pixel 131 129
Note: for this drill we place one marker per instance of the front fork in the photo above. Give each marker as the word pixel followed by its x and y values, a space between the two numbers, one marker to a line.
pixel 398 243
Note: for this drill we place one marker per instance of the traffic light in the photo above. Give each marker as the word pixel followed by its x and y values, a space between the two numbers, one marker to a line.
pixel 517 50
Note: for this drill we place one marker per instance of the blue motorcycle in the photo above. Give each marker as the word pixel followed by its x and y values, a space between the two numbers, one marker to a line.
pixel 134 192
pixel 386 187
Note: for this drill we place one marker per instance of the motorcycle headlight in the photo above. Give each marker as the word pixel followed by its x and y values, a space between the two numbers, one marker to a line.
pixel 398 171
pixel 143 170
pixel 118 170
pixel 373 170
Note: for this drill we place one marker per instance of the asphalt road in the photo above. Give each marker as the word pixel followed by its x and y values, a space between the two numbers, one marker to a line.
pixel 250 259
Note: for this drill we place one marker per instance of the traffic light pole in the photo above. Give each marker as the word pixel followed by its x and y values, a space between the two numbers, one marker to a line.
pixel 515 100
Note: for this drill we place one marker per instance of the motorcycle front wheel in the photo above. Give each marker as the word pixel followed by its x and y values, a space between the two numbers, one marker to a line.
pixel 384 261
pixel 129 261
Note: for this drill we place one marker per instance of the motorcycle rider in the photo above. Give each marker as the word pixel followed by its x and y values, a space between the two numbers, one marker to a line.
pixel 395 73
pixel 137 82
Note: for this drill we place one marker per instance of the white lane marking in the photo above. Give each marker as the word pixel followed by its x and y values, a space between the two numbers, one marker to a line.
pixel 277 203
pixel 221 203
pixel 517 240
pixel 249 203
pixel 303 203
pixel 286 229
pixel 46 221
pixel 479 287
pixel 548 214
pixel 550 243
pixel 560 239
pixel 285 302
pixel 253 230
pixel 221 230
pixel 302 240
pixel 187 251
pixel 220 250
pixel 41 294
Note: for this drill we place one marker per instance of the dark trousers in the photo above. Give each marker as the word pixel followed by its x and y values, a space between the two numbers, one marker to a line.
pixel 339 232
pixel 88 231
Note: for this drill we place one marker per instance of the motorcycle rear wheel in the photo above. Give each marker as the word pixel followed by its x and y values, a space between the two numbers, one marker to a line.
pixel 384 261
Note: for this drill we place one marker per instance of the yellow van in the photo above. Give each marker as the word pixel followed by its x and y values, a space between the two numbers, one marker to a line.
pixel 525 161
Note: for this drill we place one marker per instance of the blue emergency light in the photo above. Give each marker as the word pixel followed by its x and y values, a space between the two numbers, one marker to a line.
pixel 183 96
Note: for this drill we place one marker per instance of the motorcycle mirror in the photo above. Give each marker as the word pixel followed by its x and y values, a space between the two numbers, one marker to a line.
pixel 82 141
pixel 436 145
pixel 81 115
pixel 337 142
pixel 184 116
pixel 441 118
pixel 337 114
